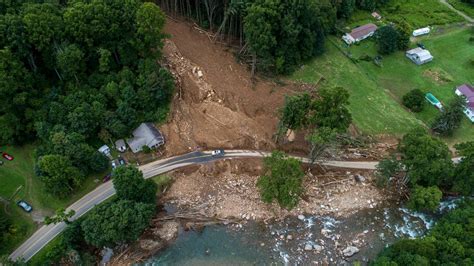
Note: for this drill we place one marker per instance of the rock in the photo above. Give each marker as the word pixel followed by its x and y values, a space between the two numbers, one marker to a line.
pixel 168 231
pixel 308 247
pixel 359 178
pixel 350 251
pixel 301 217
pixel 200 75
pixel 149 244
pixel 318 248
pixel 289 237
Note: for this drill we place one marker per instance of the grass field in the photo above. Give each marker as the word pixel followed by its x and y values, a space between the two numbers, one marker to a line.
pixel 463 7
pixel 18 176
pixel 373 110
pixel 416 13
pixel 376 91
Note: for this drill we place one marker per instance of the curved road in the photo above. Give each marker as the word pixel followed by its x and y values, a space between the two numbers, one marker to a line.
pixel 48 232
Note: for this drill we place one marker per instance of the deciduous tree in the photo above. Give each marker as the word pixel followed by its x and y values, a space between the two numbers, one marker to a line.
pixel 130 185
pixel 282 180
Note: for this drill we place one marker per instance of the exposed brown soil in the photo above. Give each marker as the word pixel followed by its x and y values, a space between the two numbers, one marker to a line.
pixel 228 189
pixel 217 103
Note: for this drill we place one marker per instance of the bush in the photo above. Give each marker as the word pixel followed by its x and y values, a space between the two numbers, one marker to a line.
pixel 414 100
pixel 425 199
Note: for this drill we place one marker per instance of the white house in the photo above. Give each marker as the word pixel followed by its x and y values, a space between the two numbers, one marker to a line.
pixel 145 135
pixel 419 56
pixel 105 150
pixel 360 33
pixel 467 91
pixel 421 31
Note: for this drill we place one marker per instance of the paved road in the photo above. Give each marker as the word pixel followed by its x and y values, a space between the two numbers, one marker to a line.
pixel 462 14
pixel 48 232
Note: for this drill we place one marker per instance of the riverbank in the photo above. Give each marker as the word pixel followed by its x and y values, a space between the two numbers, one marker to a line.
pixel 226 192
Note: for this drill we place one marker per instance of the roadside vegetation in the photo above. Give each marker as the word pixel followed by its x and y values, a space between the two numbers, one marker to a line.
pixel 117 221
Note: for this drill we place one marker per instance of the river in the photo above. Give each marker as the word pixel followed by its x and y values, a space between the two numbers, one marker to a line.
pixel 284 242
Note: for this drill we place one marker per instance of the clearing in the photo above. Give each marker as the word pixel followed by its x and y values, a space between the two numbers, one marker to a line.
pixel 20 182
pixel 376 92
pixel 416 13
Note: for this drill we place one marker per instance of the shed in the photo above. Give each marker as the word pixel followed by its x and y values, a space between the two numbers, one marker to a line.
pixel 145 135
pixel 360 33
pixel 105 150
pixel 419 56
pixel 120 145
pixel 467 91
pixel 376 15
pixel 421 31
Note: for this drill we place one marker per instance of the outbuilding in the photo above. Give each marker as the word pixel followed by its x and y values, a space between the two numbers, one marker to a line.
pixel 419 56
pixel 105 150
pixel 360 33
pixel 120 145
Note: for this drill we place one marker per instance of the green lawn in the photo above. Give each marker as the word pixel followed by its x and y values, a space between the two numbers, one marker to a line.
pixel 376 91
pixel 373 110
pixel 416 13
pixel 464 7
pixel 19 174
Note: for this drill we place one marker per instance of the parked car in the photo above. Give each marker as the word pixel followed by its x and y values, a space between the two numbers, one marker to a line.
pixel 217 153
pixel 421 45
pixel 107 178
pixel 7 156
pixel 121 161
pixel 25 206
pixel 114 164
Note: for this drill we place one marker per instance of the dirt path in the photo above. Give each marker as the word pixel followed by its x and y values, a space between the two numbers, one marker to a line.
pixel 217 104
pixel 462 14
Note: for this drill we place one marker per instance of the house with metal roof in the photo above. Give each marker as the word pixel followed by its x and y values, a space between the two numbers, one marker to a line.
pixel 419 56
pixel 145 135
pixel 360 33
pixel 467 91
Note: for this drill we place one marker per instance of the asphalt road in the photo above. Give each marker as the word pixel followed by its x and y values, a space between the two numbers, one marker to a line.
pixel 48 232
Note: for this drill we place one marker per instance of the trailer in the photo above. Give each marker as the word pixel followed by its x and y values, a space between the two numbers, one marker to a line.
pixel 421 31
pixel 434 101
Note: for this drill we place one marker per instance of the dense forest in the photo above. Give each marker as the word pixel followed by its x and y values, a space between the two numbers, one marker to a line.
pixel 74 73
pixel 273 35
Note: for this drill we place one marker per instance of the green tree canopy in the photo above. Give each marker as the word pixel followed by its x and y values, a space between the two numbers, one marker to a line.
pixel 58 174
pixel 130 185
pixel 330 110
pixel 450 119
pixel 116 223
pixel 387 39
pixel 425 199
pixel 427 159
pixel 282 180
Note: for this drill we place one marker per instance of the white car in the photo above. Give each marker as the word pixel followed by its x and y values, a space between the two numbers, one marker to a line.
pixel 114 164
pixel 216 153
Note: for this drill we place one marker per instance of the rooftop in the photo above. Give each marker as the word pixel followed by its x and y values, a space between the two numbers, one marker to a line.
pixel 363 30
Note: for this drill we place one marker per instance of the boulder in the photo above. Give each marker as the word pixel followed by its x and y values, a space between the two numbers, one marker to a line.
pixel 308 247
pixel 318 248
pixel 359 178
pixel 350 251
pixel 301 217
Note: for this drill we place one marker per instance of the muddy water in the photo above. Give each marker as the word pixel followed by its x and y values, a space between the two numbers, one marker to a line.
pixel 284 242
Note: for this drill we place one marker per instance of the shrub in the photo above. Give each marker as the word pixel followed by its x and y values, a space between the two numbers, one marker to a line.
pixel 414 100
